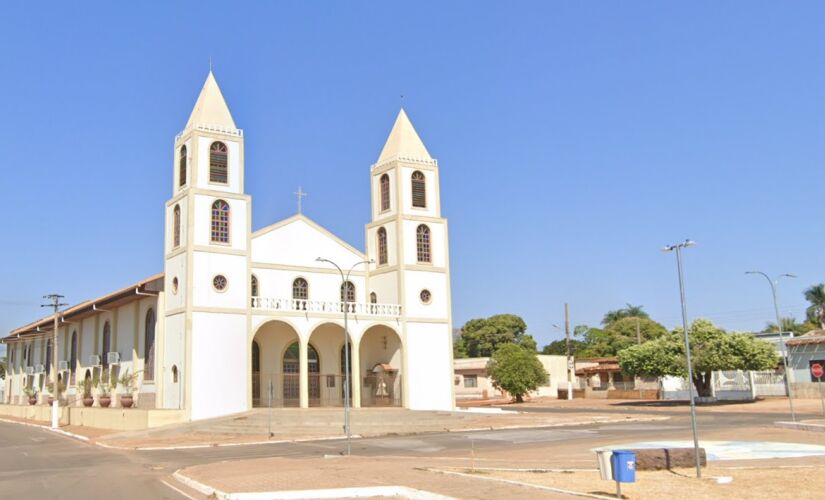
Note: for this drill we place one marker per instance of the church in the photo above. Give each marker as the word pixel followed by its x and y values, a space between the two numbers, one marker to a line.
pixel 241 319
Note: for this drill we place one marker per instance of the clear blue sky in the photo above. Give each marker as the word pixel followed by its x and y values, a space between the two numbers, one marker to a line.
pixel 574 141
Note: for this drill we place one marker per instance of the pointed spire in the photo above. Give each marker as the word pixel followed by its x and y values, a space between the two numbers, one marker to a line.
pixel 403 141
pixel 211 108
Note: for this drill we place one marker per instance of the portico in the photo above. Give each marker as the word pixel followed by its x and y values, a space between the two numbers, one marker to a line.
pixel 294 364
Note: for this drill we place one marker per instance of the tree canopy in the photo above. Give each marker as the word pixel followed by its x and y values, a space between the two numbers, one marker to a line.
pixel 816 311
pixel 482 337
pixel 608 341
pixel 516 370
pixel 630 311
pixel 711 349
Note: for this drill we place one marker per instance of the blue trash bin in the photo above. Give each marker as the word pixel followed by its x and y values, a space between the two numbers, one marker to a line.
pixel 624 466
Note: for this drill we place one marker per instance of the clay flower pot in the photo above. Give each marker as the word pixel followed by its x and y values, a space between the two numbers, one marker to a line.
pixel 33 400
pixel 126 400
pixel 105 401
pixel 51 400
pixel 88 401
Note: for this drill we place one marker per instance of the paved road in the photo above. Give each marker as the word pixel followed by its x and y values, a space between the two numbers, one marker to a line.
pixel 39 464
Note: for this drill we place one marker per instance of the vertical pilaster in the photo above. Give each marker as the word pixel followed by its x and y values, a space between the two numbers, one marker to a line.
pixel 356 370
pixel 303 374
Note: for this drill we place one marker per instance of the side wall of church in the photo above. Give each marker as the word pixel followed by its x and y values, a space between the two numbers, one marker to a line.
pixel 219 368
pixel 429 366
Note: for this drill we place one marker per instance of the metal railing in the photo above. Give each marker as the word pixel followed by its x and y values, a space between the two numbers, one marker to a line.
pixel 283 390
pixel 323 306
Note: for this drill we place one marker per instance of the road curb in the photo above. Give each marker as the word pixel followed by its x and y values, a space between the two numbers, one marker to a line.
pixel 519 483
pixel 72 435
pixel 800 426
pixel 352 492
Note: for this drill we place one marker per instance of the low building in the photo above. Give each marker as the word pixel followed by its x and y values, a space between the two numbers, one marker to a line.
pixel 472 382
pixel 804 351
pixel 602 378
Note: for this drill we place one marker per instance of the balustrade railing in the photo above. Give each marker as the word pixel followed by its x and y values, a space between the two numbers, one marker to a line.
pixel 323 306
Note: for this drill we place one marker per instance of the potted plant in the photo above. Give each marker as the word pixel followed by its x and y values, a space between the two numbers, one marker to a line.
pixel 127 380
pixel 31 394
pixel 104 394
pixel 61 387
pixel 85 386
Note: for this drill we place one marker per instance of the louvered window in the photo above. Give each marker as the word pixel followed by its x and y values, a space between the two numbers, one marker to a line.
pixel 385 192
pixel 218 163
pixel 182 167
pixel 419 190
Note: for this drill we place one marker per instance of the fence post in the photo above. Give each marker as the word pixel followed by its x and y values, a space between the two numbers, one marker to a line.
pixel 752 384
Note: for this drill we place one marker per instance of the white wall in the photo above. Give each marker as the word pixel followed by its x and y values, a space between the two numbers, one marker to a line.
pixel 208 265
pixel 298 243
pixel 219 373
pixel 429 368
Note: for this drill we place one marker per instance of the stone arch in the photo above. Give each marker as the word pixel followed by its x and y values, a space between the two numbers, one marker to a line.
pixel 381 355
pixel 273 338
pixel 328 339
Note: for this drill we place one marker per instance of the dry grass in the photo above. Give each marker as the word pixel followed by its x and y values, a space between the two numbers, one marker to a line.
pixel 750 483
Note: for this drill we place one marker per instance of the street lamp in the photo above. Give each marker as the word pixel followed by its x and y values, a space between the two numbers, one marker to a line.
pixel 345 305
pixel 678 248
pixel 774 283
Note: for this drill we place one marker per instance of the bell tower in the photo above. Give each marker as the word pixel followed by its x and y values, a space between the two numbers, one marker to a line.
pixel 208 224
pixel 408 239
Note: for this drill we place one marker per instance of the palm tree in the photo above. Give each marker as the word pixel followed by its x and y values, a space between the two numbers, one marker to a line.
pixel 789 324
pixel 816 311
pixel 630 311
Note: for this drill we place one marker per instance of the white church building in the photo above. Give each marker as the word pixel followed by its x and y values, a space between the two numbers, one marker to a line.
pixel 240 319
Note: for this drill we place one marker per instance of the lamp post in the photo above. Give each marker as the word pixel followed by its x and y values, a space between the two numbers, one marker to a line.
pixel 774 283
pixel 345 305
pixel 678 249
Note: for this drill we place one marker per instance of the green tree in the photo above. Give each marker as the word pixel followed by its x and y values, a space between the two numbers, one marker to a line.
pixel 481 337
pixel 2 368
pixel 630 311
pixel 711 349
pixel 559 347
pixel 790 324
pixel 516 369
pixel 459 349
pixel 816 311
pixel 620 334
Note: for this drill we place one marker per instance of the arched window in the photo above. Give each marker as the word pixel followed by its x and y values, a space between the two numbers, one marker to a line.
pixel 182 167
pixel 422 239
pixel 254 285
pixel 300 289
pixel 385 192
pixel 73 359
pixel 347 292
pixel 220 222
pixel 149 346
pixel 176 227
pixel 419 190
pixel 382 246
pixel 107 345
pixel 300 293
pixel 218 163
pixel 373 298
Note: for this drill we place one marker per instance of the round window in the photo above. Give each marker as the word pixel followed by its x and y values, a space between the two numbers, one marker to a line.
pixel 219 282
pixel 175 284
pixel 426 296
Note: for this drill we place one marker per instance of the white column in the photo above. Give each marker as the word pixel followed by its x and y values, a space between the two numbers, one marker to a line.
pixel 356 374
pixel 303 377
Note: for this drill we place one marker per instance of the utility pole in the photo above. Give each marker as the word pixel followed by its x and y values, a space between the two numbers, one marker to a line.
pixel 567 344
pixel 55 304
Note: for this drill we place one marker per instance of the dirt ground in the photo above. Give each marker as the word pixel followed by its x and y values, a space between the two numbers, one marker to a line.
pixel 751 483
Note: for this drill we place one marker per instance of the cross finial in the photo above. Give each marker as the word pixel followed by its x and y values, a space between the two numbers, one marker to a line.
pixel 402 100
pixel 299 194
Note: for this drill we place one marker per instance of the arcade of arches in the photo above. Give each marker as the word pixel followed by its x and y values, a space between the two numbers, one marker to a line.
pixel 278 355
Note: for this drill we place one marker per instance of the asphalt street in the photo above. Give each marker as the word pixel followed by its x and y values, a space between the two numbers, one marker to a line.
pixel 35 463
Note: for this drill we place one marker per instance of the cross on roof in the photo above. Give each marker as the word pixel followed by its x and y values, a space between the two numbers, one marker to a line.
pixel 299 194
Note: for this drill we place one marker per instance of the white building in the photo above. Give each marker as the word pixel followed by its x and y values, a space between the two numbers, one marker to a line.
pixel 240 318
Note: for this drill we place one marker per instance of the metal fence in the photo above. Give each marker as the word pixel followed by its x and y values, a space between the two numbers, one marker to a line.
pixel 283 390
